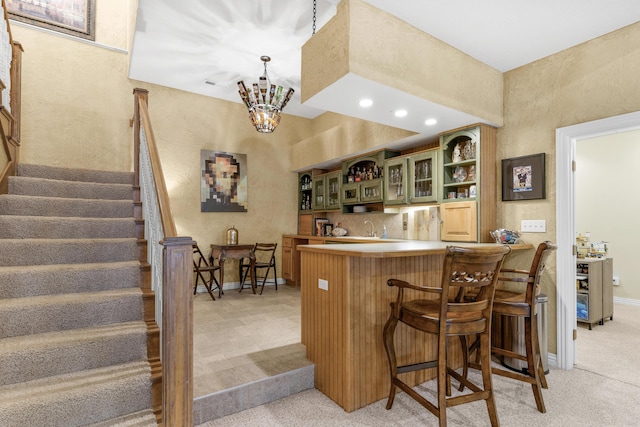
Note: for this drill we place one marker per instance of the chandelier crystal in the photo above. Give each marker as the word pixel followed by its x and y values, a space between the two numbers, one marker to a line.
pixel 265 101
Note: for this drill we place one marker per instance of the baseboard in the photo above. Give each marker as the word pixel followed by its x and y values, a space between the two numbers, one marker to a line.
pixel 236 285
pixel 552 360
pixel 626 301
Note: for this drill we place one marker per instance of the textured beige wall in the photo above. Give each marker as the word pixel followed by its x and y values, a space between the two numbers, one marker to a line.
pixel 76 97
pixel 591 81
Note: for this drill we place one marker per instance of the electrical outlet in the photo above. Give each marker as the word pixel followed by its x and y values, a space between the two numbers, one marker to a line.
pixel 323 284
pixel 533 226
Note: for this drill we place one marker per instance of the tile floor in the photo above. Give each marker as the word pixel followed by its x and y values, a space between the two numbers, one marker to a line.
pixel 241 337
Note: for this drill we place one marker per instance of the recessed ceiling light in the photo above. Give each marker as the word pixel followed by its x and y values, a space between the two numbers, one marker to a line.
pixel 366 103
pixel 430 122
pixel 400 113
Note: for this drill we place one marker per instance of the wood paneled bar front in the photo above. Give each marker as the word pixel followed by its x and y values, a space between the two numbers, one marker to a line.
pixel 345 304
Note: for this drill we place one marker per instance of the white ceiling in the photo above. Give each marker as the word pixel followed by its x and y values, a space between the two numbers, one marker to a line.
pixel 183 44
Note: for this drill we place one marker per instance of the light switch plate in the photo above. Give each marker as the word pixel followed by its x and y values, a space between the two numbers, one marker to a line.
pixel 533 226
pixel 323 284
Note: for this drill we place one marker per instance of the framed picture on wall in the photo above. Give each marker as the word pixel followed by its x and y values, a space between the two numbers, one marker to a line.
pixel 223 182
pixel 74 17
pixel 523 178
pixel 320 223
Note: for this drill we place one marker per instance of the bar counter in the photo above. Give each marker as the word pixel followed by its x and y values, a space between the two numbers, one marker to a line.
pixel 342 324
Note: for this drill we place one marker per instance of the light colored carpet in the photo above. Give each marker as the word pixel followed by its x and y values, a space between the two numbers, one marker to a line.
pixel 602 390
pixel 612 349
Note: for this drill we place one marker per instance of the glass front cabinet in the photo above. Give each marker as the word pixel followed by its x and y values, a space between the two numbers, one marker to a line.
pixel 350 192
pixel 326 191
pixel 332 199
pixel 424 177
pixel 318 193
pixel 395 181
pixel 411 179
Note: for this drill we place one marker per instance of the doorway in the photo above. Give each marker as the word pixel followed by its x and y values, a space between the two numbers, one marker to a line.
pixel 566 139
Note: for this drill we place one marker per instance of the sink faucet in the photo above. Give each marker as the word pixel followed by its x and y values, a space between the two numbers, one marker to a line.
pixel 371 233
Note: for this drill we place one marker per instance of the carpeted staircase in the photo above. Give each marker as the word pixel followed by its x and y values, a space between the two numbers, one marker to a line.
pixel 73 335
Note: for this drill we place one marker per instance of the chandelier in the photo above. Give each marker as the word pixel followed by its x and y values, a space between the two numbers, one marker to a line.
pixel 265 101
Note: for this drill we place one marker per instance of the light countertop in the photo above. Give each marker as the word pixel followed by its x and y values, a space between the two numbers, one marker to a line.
pixel 389 248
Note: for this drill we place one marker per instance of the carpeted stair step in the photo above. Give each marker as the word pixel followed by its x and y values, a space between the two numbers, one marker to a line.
pixel 19 282
pixel 138 419
pixel 71 174
pixel 38 227
pixel 68 189
pixel 49 313
pixel 66 251
pixel 27 358
pixel 11 204
pixel 78 399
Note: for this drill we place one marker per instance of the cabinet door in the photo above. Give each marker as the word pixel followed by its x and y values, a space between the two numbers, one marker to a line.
pixel 371 191
pixel 350 192
pixel 395 181
pixel 287 263
pixel 332 188
pixel 607 288
pixel 423 173
pixel 318 193
pixel 459 221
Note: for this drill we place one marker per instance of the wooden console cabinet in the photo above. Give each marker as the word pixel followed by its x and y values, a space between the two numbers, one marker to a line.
pixel 594 297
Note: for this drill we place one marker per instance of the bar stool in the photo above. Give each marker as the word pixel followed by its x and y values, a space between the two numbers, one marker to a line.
pixel 521 303
pixel 449 315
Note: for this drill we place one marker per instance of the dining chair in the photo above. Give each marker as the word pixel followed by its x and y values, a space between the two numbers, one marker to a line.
pixel 265 254
pixel 201 267
pixel 444 312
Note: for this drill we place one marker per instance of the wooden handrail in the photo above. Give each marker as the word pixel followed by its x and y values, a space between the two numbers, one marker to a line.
pixel 177 301
pixel 141 117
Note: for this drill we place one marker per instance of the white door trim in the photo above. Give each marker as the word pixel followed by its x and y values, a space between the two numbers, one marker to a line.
pixel 566 139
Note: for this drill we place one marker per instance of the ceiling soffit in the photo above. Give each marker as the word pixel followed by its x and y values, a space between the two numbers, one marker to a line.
pixel 365 52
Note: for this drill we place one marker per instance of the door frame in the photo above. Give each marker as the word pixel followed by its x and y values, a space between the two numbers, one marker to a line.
pixel 566 139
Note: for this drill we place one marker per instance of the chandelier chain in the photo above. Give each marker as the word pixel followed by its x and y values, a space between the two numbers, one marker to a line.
pixel 314 17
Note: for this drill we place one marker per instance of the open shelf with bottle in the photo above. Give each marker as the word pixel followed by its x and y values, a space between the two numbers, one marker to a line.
pixel 305 190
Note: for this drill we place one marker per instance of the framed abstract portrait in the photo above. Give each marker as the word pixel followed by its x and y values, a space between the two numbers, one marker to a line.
pixel 523 178
pixel 223 182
